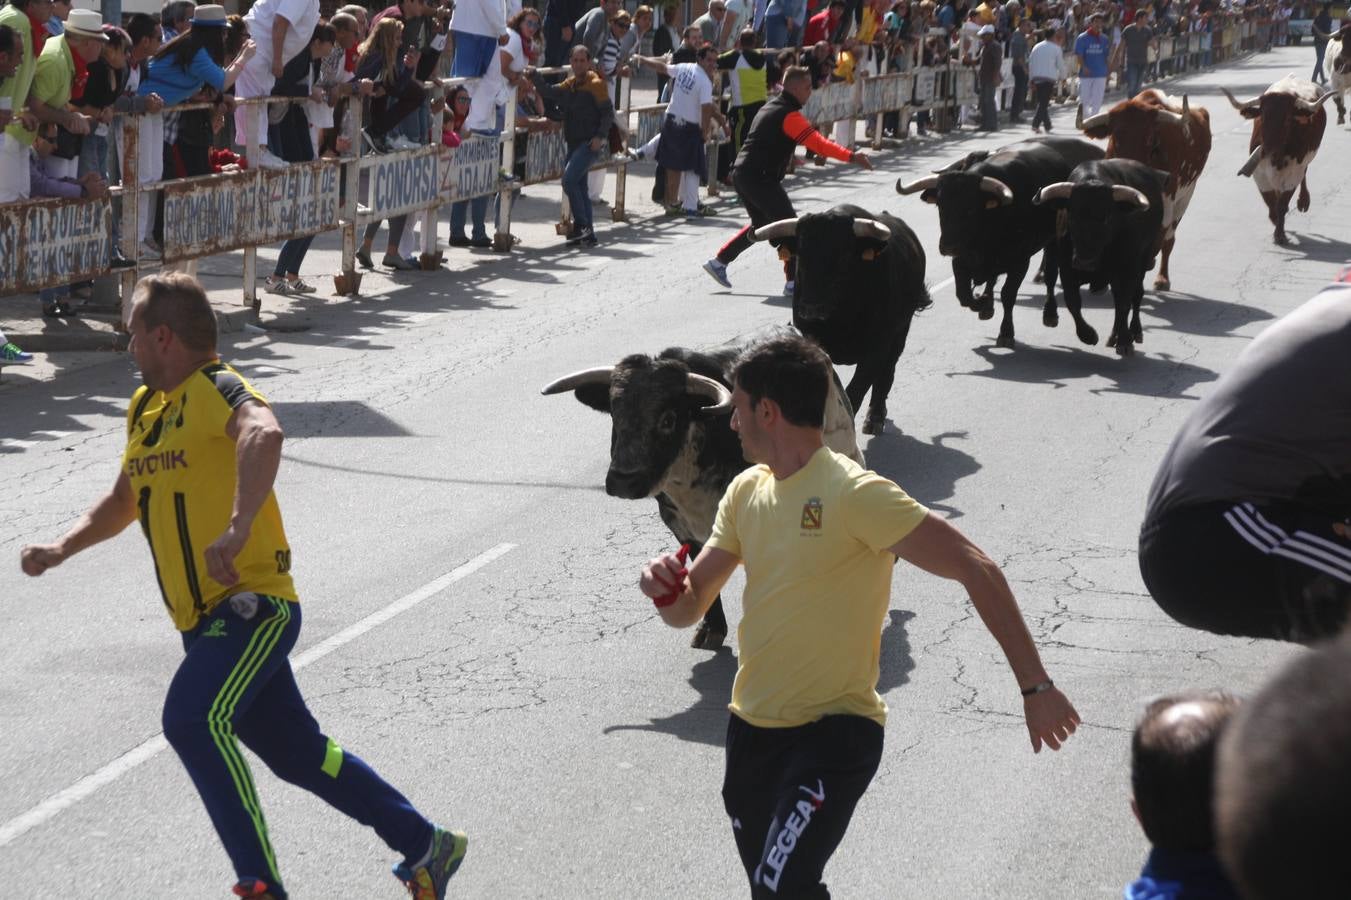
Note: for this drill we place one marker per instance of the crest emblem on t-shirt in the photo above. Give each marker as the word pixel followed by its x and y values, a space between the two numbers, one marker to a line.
pixel 811 514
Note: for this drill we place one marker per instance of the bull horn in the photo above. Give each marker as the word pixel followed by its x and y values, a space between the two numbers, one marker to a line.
pixel 1186 118
pixel 775 231
pixel 927 183
pixel 1313 107
pixel 1251 165
pixel 871 228
pixel 598 375
pixel 1058 191
pixel 995 186
pixel 1096 121
pixel 1240 106
pixel 702 386
pixel 1123 194
pixel 1171 118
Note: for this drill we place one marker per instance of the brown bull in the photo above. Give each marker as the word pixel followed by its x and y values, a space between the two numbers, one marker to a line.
pixel 1172 138
pixel 1288 122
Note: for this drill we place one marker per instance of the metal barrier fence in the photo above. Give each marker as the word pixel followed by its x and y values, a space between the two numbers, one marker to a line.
pixel 51 242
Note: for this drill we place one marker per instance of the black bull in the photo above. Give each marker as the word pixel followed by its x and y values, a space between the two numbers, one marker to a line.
pixel 671 438
pixel 1114 229
pixel 860 281
pixel 989 225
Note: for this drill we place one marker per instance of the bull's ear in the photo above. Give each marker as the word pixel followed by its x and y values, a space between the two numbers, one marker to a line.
pixel 929 196
pixel 1251 112
pixel 596 396
pixel 993 203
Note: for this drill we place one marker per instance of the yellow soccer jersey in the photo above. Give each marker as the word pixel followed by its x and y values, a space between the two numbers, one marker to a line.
pixel 182 469
pixel 818 584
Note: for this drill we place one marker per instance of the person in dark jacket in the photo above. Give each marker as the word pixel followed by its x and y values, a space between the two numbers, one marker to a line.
pixel 289 138
pixel 587 117
pixel 559 17
pixel 763 162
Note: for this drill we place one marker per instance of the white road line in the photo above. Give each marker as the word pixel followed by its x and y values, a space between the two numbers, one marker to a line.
pixel 64 799
pixel 942 284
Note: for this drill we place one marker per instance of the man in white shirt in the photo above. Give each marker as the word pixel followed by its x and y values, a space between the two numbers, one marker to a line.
pixel 479 27
pixel 689 117
pixel 281 29
pixel 1046 68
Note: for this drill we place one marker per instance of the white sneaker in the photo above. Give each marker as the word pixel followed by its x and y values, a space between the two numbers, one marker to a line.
pixel 402 143
pixel 788 287
pixel 301 286
pixel 148 252
pixel 269 160
pixel 718 271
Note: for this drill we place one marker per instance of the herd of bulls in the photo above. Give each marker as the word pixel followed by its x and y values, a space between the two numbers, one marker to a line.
pixel 1098 217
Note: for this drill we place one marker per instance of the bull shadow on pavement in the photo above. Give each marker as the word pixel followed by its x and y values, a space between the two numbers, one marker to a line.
pixel 1194 314
pixel 927 470
pixel 705 722
pixel 1317 247
pixel 1145 374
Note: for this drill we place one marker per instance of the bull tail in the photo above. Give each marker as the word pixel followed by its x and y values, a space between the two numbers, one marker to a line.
pixel 922 299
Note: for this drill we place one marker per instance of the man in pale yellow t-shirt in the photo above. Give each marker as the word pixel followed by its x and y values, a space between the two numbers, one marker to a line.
pixel 819 536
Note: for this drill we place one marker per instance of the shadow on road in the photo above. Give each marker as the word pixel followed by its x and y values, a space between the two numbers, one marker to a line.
pixel 928 471
pixel 1318 247
pixel 706 721
pixel 1143 374
pixel 1193 314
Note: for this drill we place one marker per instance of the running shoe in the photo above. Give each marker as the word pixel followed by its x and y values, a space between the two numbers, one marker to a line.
pixel 718 272
pixel 275 284
pixel 11 355
pixel 395 261
pixel 704 209
pixel 364 258
pixel 399 142
pixel 429 882
pixel 375 142
pixel 149 252
pixel 253 889
pixel 301 286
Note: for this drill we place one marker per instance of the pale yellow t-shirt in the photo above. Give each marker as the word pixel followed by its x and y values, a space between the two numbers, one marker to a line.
pixel 818 584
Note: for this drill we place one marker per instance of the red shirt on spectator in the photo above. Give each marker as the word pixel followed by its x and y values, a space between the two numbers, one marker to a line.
pixel 819 28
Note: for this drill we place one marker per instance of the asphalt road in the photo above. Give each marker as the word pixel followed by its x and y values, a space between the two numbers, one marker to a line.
pixel 533 697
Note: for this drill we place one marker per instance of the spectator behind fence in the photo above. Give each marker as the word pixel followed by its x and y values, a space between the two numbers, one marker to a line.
pixel 11 57
pixel 591 30
pixel 180 69
pixel 337 76
pixel 478 27
pixel 1172 777
pixel 56 79
pixel 783 22
pixel 25 17
pixel 710 23
pixel 289 137
pixel 1020 43
pixel 587 116
pixel 559 19
pixel 1283 787
pixel 281 31
pixel 396 94
pixel 107 79
pixel 417 50
pixel 487 116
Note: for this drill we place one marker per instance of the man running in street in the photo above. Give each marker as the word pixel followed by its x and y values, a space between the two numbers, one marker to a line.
pixel 819 536
pixel 763 162
pixel 203 448
pixel 1247 530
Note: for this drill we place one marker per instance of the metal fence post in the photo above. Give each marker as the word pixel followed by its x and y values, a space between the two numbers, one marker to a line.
pixel 131 202
pixel 348 280
pixel 251 298
pixel 430 259
pixel 625 90
pixel 502 239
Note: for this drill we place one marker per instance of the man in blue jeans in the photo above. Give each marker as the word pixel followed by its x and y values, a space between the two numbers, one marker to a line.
pixel 478 27
pixel 588 114
pixel 1136 39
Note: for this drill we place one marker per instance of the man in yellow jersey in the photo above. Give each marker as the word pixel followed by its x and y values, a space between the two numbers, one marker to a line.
pixel 819 536
pixel 202 453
